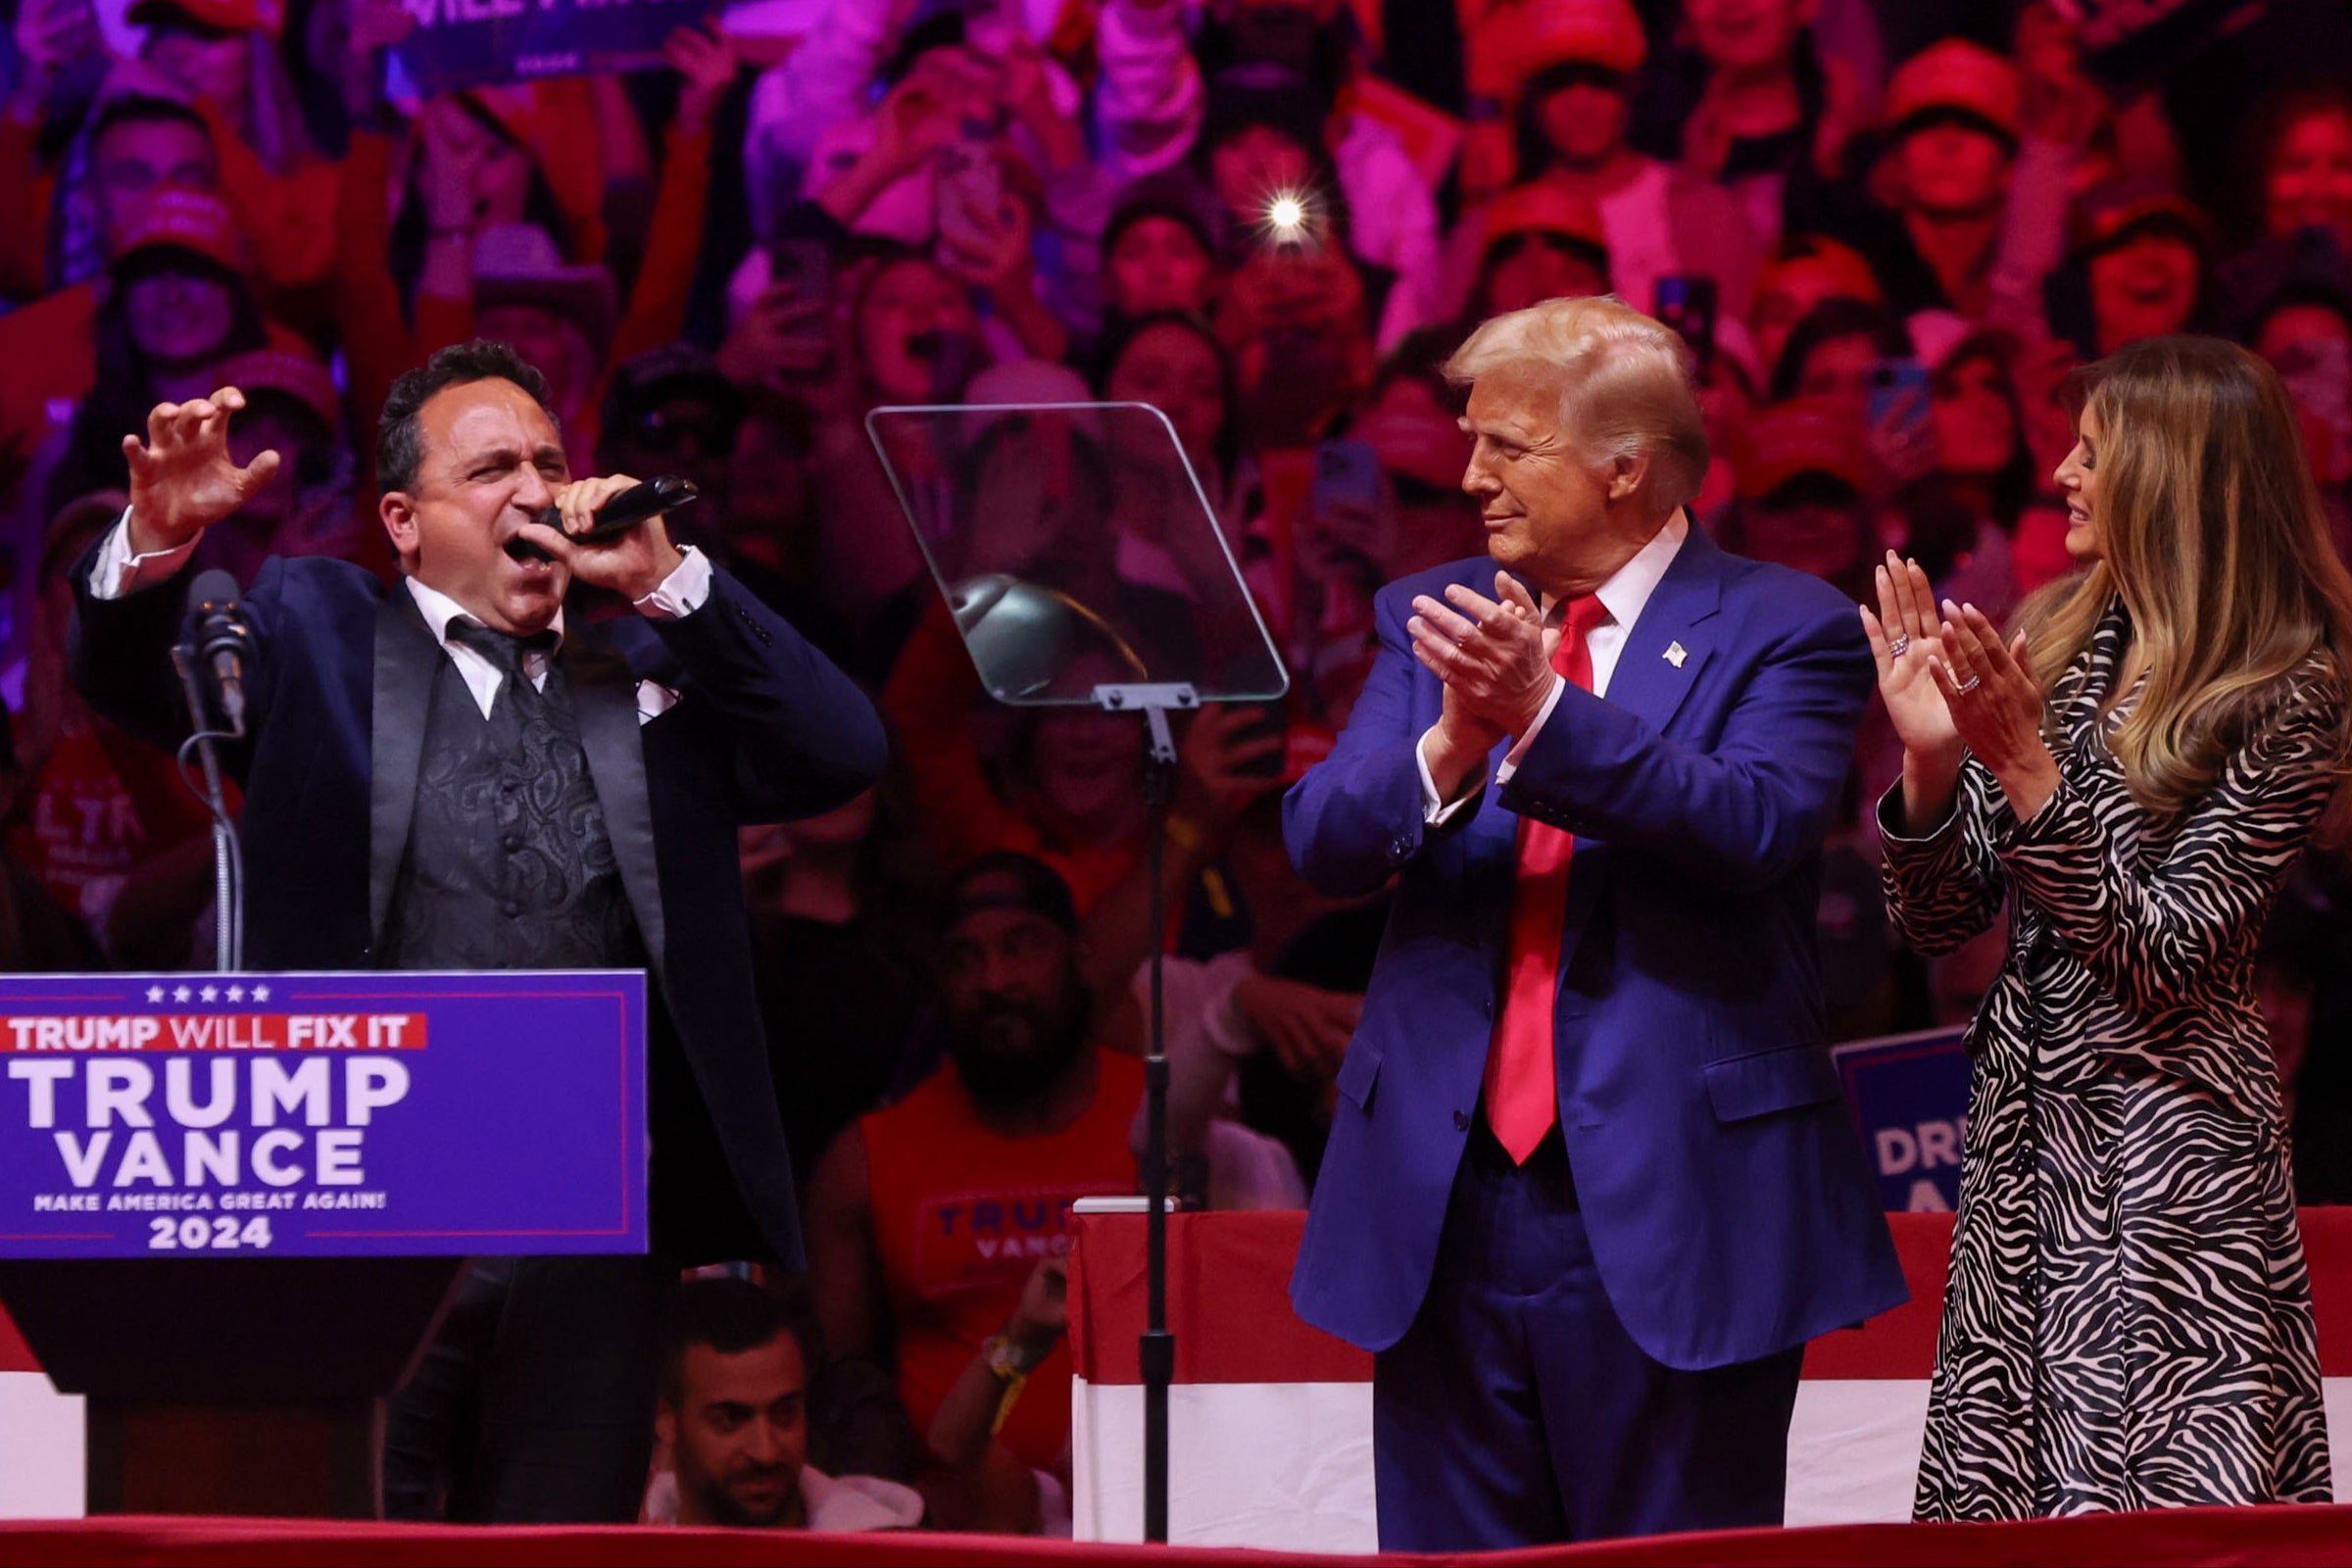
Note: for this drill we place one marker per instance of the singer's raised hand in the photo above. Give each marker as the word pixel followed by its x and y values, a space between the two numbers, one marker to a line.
pixel 633 565
pixel 182 479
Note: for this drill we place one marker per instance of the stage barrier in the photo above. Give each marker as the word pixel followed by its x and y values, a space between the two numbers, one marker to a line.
pixel 1272 1447
pixel 1270 1421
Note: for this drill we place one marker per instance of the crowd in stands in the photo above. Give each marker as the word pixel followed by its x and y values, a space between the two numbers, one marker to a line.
pixel 1890 230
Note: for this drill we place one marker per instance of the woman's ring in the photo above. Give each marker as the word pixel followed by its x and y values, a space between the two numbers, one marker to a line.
pixel 1969 685
pixel 1899 648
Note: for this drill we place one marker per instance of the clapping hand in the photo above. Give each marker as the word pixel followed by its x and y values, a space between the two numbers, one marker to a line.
pixel 182 479
pixel 1903 636
pixel 1951 688
pixel 1995 706
pixel 1489 651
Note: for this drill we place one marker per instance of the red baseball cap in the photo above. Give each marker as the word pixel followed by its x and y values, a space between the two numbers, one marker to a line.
pixel 300 376
pixel 2105 215
pixel 193 222
pixel 1838 270
pixel 1539 207
pixel 1956 77
pixel 1517 42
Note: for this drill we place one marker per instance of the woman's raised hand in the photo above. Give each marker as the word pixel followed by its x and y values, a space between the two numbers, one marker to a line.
pixel 1904 632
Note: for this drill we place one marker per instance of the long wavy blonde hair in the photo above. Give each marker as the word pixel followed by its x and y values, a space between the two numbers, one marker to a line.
pixel 2213 536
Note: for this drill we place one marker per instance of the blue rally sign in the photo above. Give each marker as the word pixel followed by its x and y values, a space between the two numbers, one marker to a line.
pixel 322 1114
pixel 472 43
pixel 1909 1095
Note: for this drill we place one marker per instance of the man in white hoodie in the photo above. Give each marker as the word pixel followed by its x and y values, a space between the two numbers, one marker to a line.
pixel 734 1420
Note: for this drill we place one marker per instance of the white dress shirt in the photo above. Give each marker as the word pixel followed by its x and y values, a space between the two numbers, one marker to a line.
pixel 680 594
pixel 1623 596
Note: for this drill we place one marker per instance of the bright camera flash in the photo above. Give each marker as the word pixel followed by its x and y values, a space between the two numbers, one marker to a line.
pixel 1285 216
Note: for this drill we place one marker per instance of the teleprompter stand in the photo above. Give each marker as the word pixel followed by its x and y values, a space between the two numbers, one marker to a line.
pixel 1083 566
pixel 1157 1349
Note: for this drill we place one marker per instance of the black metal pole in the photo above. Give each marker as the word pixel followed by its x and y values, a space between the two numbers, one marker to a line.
pixel 228 861
pixel 1157 1350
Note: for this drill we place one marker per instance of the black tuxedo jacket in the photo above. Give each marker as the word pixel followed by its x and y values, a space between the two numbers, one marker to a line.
pixel 765 729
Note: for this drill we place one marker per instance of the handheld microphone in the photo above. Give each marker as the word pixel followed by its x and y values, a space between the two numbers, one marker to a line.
pixel 223 642
pixel 628 510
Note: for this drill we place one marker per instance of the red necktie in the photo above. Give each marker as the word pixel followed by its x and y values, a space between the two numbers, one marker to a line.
pixel 1522 1089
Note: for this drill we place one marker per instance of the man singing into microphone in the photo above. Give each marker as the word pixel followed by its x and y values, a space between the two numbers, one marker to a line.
pixel 446 775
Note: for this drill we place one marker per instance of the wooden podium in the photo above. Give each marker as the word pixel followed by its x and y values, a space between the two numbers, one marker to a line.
pixel 230 1385
pixel 232 1206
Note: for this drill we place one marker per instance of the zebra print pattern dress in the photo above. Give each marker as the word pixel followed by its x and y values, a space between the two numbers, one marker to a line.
pixel 2129 1320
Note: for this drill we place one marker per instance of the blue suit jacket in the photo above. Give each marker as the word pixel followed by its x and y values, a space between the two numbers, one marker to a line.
pixel 765 729
pixel 1730 1209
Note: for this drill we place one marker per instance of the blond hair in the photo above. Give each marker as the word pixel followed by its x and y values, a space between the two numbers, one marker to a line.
pixel 1623 379
pixel 2213 537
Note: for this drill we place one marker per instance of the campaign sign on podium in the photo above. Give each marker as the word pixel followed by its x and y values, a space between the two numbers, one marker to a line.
pixel 316 1116
pixel 1909 1097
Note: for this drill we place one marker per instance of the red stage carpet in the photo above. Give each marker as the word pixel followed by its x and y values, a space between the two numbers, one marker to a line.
pixel 2245 1536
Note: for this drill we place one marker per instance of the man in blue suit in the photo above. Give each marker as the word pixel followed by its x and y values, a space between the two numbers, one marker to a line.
pixel 451 773
pixel 1590 1184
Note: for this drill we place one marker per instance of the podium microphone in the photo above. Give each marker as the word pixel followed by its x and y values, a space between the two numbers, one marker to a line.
pixel 221 640
pixel 628 510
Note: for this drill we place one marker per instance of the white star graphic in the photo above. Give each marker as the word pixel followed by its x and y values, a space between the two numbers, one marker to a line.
pixel 155 993
pixel 260 993
pixel 210 994
pixel 181 993
pixel 236 993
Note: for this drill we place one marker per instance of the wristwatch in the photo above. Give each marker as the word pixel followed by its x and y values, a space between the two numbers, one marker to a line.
pixel 1010 1365
pixel 1005 1361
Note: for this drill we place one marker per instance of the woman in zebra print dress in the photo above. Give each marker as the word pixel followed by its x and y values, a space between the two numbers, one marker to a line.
pixel 2129 1321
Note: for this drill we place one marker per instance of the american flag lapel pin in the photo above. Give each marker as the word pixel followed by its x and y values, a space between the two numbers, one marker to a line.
pixel 1676 653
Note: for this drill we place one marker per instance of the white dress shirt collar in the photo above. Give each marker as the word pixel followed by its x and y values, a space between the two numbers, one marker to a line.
pixel 1627 589
pixel 439 609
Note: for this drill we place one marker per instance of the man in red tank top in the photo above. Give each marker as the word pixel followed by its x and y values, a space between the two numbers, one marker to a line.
pixel 926 1219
